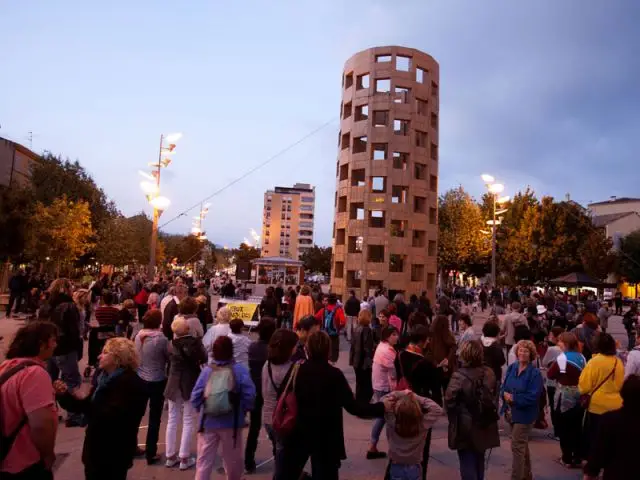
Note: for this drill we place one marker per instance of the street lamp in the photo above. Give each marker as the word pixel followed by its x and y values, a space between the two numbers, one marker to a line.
pixel 151 188
pixel 494 189
pixel 196 228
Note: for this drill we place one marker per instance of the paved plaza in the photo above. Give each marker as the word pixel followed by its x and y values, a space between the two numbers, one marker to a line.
pixel 442 464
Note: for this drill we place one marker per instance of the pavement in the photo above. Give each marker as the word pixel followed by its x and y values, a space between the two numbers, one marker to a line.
pixel 443 462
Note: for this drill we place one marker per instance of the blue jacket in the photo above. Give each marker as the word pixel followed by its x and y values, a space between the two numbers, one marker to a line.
pixel 244 386
pixel 526 389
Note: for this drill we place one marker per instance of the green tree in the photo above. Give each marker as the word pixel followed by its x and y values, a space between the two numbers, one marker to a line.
pixel 462 247
pixel 629 266
pixel 16 208
pixel 317 259
pixel 597 255
pixel 244 252
pixel 114 242
pixel 60 231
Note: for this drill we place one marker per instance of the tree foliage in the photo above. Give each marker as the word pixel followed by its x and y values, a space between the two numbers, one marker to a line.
pixel 245 252
pixel 629 266
pixel 317 259
pixel 16 206
pixel 60 231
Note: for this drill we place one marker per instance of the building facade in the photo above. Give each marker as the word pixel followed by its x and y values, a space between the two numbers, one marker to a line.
pixel 287 221
pixel 15 163
pixel 386 200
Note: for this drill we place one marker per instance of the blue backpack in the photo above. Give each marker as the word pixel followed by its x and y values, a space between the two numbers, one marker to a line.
pixel 328 324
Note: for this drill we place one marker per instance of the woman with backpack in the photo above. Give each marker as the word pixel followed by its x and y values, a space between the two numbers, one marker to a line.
pixel 224 393
pixel 332 321
pixel 186 355
pixel 473 417
pixel 281 347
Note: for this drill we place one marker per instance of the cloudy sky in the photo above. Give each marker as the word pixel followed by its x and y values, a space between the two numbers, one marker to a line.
pixel 540 93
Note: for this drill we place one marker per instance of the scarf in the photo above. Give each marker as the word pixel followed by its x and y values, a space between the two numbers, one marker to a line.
pixel 415 349
pixel 104 379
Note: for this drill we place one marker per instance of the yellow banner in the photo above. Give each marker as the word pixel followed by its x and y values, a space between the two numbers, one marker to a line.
pixel 243 311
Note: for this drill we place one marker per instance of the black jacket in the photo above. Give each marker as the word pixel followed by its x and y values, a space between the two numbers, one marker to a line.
pixel 186 355
pixel 257 358
pixel 423 376
pixel 363 345
pixel 494 359
pixel 352 307
pixel 464 432
pixel 63 312
pixel 170 311
pixel 322 392
pixel 614 450
pixel 111 438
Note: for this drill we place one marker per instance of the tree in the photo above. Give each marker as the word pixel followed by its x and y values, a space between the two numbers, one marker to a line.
pixel 60 231
pixel 317 259
pixel 597 255
pixel 114 242
pixel 462 247
pixel 246 252
pixel 16 206
pixel 629 266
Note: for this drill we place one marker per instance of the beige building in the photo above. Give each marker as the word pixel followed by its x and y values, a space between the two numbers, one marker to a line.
pixel 15 163
pixel 618 216
pixel 287 221
pixel 386 201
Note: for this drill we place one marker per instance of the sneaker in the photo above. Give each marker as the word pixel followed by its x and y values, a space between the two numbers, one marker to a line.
pixel 187 464
pixel 172 462
pixel 374 455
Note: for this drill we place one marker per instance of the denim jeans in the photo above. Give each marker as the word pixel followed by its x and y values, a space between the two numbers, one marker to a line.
pixel 154 392
pixel 69 370
pixel 378 423
pixel 471 465
pixel 404 472
pixel 278 448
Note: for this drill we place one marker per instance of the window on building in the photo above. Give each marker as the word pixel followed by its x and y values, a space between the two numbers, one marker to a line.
pixel 354 278
pixel 420 171
pixel 359 145
pixel 340 236
pixel 375 253
pixel 307 208
pixel 396 263
pixel 421 75
pixel 376 219
pixel 346 139
pixel 434 151
pixel 419 238
pixel 362 112
pixel 383 58
pixel 434 120
pixel 398 228
pixel 344 172
pixel 380 118
pixel 401 94
pixel 362 81
pixel 379 151
pixel 434 89
pixel 431 249
pixel 401 127
pixel 431 281
pixel 342 204
pixel 348 80
pixel 419 204
pixel 383 85
pixel 421 139
pixel 403 64
pixel 306 224
pixel 357 177
pixel 433 183
pixel 378 184
pixel 422 107
pixel 355 244
pixel 338 270
pixel 399 194
pixel 433 216
pixel 356 211
pixel 400 160
pixel 417 273
pixel 307 199
pixel 306 216
pixel 346 110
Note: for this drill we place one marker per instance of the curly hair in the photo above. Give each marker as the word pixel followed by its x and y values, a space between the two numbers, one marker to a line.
pixel 529 345
pixel 223 315
pixel 364 318
pixel 123 351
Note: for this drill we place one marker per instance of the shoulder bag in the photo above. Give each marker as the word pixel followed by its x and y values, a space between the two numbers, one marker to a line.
pixel 585 398
pixel 286 411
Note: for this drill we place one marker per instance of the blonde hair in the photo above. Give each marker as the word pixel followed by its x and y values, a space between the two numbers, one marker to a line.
pixel 80 297
pixel 408 413
pixel 179 326
pixel 123 351
pixel 471 353
pixel 223 315
pixel 60 285
pixel 529 345
pixel 364 318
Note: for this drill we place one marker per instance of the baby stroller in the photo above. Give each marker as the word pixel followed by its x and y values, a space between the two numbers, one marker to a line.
pixel 98 336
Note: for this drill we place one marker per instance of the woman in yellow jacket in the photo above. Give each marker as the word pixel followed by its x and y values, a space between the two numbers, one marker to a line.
pixel 602 380
pixel 304 306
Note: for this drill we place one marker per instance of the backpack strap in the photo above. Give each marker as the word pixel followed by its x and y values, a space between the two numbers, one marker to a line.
pixel 7 444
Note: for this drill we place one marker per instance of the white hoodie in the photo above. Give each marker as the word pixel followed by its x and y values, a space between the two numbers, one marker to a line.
pixel 633 363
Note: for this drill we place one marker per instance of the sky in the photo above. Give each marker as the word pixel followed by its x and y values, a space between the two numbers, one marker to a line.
pixel 542 94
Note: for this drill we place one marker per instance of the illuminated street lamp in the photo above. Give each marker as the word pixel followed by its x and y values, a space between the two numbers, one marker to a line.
pixel 494 189
pixel 151 188
pixel 196 228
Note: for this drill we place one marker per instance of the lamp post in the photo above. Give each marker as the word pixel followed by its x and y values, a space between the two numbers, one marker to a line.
pixel 152 190
pixel 494 189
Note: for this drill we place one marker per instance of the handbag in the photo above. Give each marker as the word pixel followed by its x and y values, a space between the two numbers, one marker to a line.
pixel 585 398
pixel 286 411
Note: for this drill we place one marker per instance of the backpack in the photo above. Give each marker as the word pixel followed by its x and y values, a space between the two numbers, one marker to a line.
pixel 328 323
pixel 220 398
pixel 483 404
pixel 6 442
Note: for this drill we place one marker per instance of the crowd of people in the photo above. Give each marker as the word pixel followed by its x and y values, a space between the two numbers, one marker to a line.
pixel 157 344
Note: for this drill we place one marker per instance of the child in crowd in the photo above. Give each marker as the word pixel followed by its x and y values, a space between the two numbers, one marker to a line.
pixel 240 342
pixel 407 426
pixel 127 317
